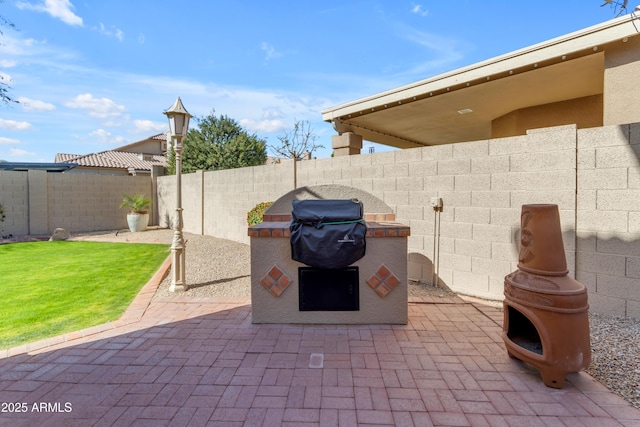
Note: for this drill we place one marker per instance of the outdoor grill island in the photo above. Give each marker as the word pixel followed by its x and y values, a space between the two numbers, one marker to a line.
pixel 329 261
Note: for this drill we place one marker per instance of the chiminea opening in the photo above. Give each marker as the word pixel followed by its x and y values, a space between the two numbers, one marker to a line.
pixel 522 332
pixel 328 289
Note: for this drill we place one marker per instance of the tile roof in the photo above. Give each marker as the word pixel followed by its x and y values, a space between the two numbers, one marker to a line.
pixel 115 159
pixel 62 157
pixel 160 137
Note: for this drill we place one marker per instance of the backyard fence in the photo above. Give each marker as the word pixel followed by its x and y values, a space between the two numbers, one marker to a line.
pixel 593 175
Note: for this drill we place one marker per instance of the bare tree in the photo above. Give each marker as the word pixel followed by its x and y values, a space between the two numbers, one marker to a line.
pixel 297 143
pixel 4 86
pixel 620 6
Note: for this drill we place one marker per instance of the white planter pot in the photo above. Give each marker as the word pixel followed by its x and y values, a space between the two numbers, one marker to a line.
pixel 137 221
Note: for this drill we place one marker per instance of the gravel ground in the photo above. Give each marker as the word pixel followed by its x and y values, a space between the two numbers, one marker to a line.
pixel 221 268
pixel 214 268
pixel 615 355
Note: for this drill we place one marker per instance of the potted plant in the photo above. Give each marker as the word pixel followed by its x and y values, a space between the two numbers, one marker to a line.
pixel 138 216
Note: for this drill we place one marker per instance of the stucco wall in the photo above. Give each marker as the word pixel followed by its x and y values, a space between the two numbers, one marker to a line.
pixel 584 112
pixel 267 252
pixel 621 89
pixel 483 185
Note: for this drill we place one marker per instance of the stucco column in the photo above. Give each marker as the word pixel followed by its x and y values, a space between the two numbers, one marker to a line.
pixel 346 144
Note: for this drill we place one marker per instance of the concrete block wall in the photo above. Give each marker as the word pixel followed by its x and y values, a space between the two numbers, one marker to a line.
pixel 37 202
pixel 81 203
pixel 216 202
pixel 483 185
pixel 230 194
pixel 608 218
pixel 593 175
pixel 14 197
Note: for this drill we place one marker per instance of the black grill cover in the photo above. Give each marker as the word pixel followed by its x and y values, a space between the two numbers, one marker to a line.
pixel 327 233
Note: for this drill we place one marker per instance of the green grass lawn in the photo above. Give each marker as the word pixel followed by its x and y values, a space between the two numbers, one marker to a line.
pixel 50 288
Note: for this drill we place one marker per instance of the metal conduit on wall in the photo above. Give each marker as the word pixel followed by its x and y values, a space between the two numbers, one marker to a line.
pixel 436 203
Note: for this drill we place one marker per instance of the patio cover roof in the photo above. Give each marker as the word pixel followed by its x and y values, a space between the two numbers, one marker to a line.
pixel 436 110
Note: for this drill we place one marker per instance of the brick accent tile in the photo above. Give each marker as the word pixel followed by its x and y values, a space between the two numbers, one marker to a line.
pixel 383 281
pixel 275 281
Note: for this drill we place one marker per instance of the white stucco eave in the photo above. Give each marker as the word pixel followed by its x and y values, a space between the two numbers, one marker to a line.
pixel 588 38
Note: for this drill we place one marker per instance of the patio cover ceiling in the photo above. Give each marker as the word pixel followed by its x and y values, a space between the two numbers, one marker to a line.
pixel 436 110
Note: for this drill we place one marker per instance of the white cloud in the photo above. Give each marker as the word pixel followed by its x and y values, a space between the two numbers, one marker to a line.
pixel 272 113
pixel 61 9
pixel 11 46
pixel 101 133
pixel 14 125
pixel 110 32
pixel 446 51
pixel 269 123
pixel 20 152
pixel 32 105
pixel 106 136
pixel 263 125
pixel 419 10
pixel 98 107
pixel 148 126
pixel 5 77
pixel 8 141
pixel 270 51
pixel 7 63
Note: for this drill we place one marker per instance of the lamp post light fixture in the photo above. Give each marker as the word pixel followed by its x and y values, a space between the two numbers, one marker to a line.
pixel 178 126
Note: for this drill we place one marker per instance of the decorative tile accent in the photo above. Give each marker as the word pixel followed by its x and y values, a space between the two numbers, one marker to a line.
pixel 270 229
pixel 375 217
pixel 383 281
pixel 374 229
pixel 276 218
pixel 275 281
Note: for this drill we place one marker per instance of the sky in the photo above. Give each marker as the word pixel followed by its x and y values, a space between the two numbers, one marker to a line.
pixel 94 75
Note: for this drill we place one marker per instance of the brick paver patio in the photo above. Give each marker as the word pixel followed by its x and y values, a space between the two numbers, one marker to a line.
pixel 187 361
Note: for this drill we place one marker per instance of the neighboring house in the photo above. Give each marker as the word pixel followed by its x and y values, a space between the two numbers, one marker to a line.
pixel 588 78
pixel 137 158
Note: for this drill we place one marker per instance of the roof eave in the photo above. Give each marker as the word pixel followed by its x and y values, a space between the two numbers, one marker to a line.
pixel 587 38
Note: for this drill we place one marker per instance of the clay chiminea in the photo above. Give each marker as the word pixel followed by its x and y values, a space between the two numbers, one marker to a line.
pixel 546 322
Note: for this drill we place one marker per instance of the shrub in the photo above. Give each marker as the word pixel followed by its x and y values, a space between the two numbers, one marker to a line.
pixel 254 216
pixel 137 203
pixel 2 217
